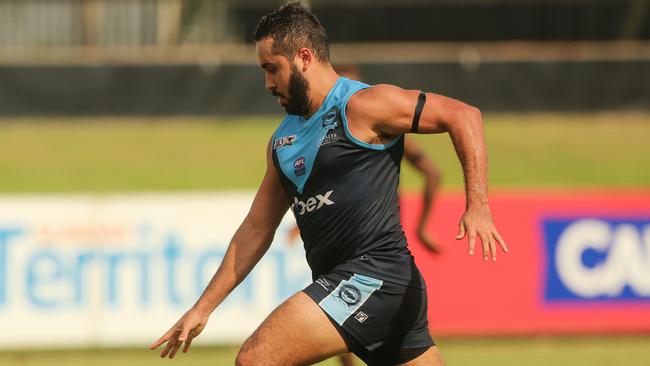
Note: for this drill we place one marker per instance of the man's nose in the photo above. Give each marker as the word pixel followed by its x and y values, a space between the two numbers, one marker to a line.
pixel 269 84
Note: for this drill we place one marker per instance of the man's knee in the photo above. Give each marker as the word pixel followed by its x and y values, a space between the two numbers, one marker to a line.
pixel 251 353
pixel 244 359
pixel 247 353
pixel 247 358
pixel 431 357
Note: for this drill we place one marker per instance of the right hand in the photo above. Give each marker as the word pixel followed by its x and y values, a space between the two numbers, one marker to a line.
pixel 477 221
pixel 186 328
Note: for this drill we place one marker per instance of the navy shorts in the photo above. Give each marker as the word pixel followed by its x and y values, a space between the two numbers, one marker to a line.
pixel 383 323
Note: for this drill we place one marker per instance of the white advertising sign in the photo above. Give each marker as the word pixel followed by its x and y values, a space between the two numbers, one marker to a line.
pixel 112 270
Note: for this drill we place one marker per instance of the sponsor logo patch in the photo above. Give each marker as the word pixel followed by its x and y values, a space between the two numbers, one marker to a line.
pixel 361 317
pixel 331 136
pixel 299 166
pixel 597 259
pixel 284 141
pixel 312 203
pixel 324 284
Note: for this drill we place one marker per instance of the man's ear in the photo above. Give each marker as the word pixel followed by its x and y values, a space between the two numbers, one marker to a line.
pixel 305 57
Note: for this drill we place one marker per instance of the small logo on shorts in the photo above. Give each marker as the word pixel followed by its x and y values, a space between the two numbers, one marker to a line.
pixel 361 317
pixel 350 295
pixel 324 284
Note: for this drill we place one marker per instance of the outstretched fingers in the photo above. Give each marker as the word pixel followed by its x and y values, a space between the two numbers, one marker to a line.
pixel 165 337
pixel 183 337
pixel 461 230
pixel 175 339
pixel 493 248
pixel 485 242
pixel 175 348
pixel 471 242
pixel 490 241
pixel 479 223
pixel 502 243
pixel 187 345
pixel 170 345
pixel 182 333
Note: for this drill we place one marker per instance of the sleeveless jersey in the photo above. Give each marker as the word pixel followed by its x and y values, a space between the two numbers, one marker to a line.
pixel 343 192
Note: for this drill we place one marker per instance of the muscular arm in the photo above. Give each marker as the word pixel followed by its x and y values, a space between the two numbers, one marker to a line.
pixel 246 248
pixel 250 241
pixel 382 112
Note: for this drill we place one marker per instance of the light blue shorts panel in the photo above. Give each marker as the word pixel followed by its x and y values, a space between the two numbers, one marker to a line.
pixel 349 296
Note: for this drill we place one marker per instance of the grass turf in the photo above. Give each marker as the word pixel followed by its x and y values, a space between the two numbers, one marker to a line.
pixel 139 154
pixel 538 150
pixel 561 351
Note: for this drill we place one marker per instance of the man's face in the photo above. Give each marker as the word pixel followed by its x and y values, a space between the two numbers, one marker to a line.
pixel 283 79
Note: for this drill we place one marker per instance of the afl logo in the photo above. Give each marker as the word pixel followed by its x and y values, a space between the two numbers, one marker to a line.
pixel 299 163
pixel 350 295
pixel 329 118
pixel 299 166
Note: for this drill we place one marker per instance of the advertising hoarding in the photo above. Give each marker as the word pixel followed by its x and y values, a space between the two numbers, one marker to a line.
pixel 114 270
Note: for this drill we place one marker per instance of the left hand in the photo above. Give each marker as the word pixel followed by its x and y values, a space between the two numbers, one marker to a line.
pixel 477 221
pixel 428 241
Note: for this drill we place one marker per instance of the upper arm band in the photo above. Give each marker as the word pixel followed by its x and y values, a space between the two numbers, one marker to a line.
pixel 422 98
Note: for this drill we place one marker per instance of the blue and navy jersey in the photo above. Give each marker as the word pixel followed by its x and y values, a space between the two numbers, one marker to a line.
pixel 343 191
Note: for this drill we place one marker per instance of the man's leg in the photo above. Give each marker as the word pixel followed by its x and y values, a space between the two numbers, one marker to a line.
pixel 296 333
pixel 431 357
pixel 347 359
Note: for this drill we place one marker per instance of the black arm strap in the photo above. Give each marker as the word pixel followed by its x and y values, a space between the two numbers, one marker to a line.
pixel 422 98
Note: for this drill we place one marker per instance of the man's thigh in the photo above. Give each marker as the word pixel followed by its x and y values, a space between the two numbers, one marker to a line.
pixel 431 357
pixel 296 333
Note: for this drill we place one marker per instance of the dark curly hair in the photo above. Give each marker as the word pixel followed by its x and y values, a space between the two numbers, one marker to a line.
pixel 292 26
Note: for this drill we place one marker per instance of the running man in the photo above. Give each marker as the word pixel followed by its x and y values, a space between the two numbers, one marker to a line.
pixel 414 154
pixel 335 161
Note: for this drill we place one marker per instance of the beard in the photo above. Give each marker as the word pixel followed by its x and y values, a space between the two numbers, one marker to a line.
pixel 297 101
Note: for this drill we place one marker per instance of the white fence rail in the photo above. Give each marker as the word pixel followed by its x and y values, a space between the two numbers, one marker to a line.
pixel 111 23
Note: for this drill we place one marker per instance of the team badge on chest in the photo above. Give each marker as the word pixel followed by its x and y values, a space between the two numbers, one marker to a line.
pixel 330 119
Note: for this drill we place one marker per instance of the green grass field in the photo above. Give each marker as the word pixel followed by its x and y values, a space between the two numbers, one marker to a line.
pixel 109 155
pixel 563 351
pixel 71 155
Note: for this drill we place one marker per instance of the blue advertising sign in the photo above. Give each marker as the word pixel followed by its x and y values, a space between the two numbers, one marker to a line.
pixel 597 259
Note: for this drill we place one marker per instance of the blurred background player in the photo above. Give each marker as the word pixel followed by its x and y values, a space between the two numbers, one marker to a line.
pixel 415 156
